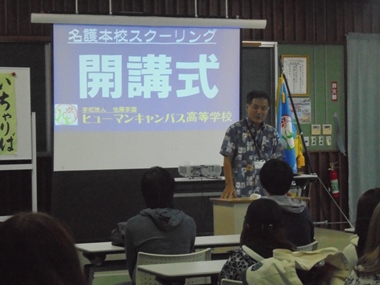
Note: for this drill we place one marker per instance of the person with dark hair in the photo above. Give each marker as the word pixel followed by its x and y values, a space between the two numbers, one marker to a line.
pixel 367 269
pixel 276 177
pixel 364 210
pixel 36 248
pixel 247 144
pixel 263 231
pixel 157 188
pixel 160 228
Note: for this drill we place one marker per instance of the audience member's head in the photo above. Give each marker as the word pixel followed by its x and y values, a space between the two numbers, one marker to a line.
pixel 364 210
pixel 157 186
pixel 276 176
pixel 36 248
pixel 369 262
pixel 263 220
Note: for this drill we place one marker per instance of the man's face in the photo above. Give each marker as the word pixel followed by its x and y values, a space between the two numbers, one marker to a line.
pixel 258 110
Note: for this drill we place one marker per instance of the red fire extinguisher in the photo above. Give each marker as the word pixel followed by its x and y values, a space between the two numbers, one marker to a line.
pixel 334 181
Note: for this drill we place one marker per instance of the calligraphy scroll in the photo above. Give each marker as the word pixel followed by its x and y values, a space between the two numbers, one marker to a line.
pixel 8 123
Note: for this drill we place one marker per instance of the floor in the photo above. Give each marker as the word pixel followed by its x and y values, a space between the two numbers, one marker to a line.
pixel 325 237
pixel 331 238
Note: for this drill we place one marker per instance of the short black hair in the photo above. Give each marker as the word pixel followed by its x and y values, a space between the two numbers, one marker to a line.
pixel 257 94
pixel 157 187
pixel 276 176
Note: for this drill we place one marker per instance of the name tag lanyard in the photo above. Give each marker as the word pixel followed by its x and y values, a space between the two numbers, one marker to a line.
pixel 254 140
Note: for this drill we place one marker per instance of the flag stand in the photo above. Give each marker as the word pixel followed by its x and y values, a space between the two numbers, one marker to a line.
pixel 307 157
pixel 296 117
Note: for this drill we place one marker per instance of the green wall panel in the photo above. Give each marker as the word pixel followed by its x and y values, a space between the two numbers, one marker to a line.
pixel 325 65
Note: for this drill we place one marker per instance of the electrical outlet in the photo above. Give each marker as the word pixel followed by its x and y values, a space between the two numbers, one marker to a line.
pixel 313 140
pixel 328 140
pixel 306 140
pixel 321 140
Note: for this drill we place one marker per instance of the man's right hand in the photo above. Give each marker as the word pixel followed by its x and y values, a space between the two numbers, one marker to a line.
pixel 229 193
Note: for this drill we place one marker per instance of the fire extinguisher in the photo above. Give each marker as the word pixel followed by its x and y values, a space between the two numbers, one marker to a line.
pixel 334 181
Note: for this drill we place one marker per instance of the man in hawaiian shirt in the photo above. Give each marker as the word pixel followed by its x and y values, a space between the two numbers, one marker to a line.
pixel 246 146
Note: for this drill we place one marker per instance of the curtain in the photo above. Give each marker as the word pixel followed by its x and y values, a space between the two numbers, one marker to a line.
pixel 363 115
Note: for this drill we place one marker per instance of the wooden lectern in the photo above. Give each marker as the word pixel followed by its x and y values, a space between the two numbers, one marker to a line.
pixel 229 215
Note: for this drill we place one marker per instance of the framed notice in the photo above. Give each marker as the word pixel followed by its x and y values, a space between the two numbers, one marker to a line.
pixel 296 72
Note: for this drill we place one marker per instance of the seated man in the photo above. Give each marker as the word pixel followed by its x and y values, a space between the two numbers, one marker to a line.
pixel 159 228
pixel 276 177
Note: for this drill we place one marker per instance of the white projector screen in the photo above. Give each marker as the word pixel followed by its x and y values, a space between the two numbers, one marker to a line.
pixel 134 97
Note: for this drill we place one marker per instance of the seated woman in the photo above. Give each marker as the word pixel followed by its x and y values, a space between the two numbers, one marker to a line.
pixel 364 210
pixel 263 231
pixel 38 249
pixel 160 228
pixel 367 270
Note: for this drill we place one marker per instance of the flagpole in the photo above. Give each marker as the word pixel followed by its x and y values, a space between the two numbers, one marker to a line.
pixel 296 117
pixel 304 144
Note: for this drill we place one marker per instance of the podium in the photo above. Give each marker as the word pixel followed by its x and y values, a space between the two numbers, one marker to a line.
pixel 229 215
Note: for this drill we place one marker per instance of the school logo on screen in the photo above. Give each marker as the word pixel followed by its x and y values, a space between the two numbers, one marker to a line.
pixel 66 114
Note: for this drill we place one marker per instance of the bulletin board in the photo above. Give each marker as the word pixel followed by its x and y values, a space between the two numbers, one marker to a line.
pixel 23 112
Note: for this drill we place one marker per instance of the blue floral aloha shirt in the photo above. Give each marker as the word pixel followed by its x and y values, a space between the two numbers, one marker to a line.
pixel 239 146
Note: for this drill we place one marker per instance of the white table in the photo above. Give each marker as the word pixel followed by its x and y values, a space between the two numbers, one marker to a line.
pixel 350 230
pixel 217 241
pixel 167 273
pixel 96 252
